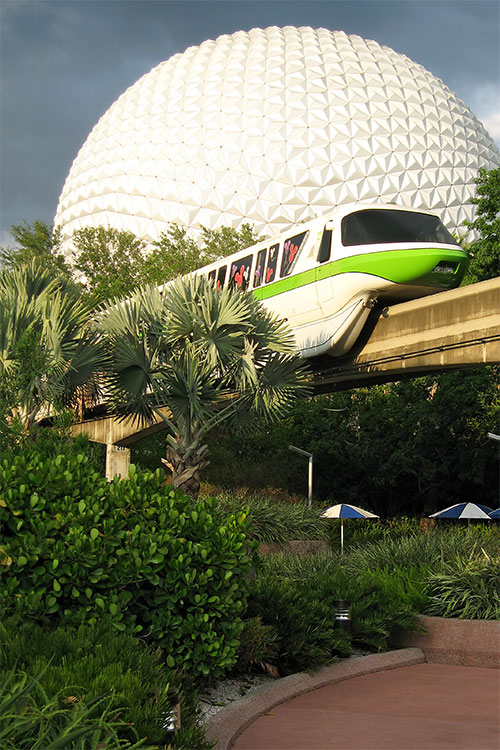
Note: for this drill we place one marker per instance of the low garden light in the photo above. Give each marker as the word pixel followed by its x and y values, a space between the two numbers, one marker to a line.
pixel 342 614
pixel 171 720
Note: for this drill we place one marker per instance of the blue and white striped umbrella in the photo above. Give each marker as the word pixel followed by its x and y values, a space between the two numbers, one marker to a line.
pixel 495 513
pixel 470 511
pixel 464 510
pixel 343 510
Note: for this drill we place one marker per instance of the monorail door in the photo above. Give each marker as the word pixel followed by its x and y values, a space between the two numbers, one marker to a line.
pixel 324 283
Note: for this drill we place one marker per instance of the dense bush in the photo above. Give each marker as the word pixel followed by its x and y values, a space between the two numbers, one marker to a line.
pixel 33 721
pixel 258 647
pixel 80 665
pixel 88 662
pixel 396 448
pixel 431 548
pixel 445 572
pixel 76 548
pixel 466 588
pixel 273 521
pixel 296 597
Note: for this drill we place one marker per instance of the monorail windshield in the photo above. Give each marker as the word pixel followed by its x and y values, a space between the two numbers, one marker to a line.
pixel 379 226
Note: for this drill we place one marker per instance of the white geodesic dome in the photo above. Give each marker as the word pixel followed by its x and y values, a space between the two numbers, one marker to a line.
pixel 271 127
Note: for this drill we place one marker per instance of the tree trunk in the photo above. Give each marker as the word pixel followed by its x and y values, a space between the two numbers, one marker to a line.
pixel 185 474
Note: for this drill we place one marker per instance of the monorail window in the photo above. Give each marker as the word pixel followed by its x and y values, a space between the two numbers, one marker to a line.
pixel 325 246
pixel 211 277
pixel 258 275
pixel 240 273
pixel 272 262
pixel 221 277
pixel 379 226
pixel 291 250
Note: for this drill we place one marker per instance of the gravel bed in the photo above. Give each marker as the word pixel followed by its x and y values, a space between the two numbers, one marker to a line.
pixel 228 691
pixel 233 689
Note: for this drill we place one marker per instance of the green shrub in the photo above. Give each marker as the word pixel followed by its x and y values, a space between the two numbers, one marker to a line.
pixel 79 665
pixel 360 532
pixel 430 548
pixel 297 596
pixel 382 603
pixel 302 621
pixel 467 589
pixel 274 521
pixel 90 661
pixel 76 548
pixel 33 721
pixel 258 647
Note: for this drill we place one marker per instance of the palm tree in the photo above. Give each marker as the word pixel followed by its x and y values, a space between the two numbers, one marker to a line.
pixel 209 356
pixel 48 353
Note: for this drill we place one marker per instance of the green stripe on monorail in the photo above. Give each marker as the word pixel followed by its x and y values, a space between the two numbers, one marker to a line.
pixel 398 266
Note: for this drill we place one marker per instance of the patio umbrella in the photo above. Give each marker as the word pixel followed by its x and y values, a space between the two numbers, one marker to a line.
pixel 464 510
pixel 343 510
pixel 495 513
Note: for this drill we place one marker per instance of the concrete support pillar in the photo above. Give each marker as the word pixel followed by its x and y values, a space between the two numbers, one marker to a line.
pixel 117 461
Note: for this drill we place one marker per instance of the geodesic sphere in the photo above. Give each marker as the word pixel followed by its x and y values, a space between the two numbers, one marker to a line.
pixel 271 127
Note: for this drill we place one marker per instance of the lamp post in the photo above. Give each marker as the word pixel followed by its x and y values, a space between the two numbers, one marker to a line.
pixel 492 436
pixel 310 471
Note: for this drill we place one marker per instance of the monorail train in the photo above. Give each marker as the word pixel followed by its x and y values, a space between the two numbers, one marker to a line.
pixel 325 275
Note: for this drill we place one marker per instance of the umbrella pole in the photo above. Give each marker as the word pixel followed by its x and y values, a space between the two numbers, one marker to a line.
pixel 341 534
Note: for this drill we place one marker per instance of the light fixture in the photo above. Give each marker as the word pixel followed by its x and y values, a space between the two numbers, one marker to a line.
pixel 171 719
pixel 343 614
pixel 309 473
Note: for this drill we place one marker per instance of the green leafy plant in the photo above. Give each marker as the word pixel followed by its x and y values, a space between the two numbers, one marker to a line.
pixel 30 720
pixel 212 357
pixel 79 665
pixel 258 647
pixel 431 549
pixel 303 621
pixel 273 521
pixel 297 596
pixel 76 549
pixel 466 588
pixel 90 661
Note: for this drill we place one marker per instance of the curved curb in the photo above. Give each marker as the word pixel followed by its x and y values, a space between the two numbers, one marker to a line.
pixel 229 722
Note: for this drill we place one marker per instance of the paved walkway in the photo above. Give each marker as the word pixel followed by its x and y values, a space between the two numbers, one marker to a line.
pixel 418 707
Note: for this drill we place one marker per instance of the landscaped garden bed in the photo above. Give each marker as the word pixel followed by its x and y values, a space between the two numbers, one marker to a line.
pixel 116 594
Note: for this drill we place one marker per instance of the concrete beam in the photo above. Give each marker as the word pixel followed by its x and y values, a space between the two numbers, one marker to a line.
pixel 449 330
pixel 112 431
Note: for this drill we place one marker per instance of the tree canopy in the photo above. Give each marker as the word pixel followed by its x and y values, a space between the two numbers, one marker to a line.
pixel 177 254
pixel 112 263
pixel 37 242
pixel 210 356
pixel 47 352
pixel 485 251
pixel 401 448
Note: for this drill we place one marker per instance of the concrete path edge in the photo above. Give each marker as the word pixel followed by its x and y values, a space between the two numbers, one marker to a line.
pixel 225 726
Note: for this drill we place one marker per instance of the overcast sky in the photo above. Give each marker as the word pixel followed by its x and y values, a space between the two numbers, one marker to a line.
pixel 64 62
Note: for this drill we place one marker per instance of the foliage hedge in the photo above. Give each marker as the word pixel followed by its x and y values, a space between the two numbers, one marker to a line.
pixel 33 721
pixel 291 605
pixel 273 520
pixel 78 669
pixel 76 548
pixel 466 588
pixel 296 597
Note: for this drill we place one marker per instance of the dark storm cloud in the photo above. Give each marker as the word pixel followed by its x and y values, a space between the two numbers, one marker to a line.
pixel 64 63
